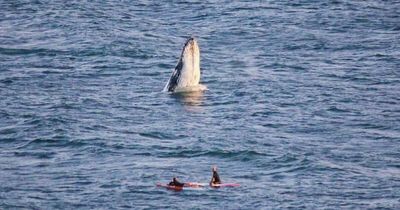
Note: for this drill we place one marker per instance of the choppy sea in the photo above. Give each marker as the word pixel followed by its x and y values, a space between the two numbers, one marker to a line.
pixel 303 106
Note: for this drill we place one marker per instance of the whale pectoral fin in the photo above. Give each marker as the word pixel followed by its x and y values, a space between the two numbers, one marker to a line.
pixel 174 80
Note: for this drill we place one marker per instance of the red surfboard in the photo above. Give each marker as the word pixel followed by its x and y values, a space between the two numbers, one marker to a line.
pixel 196 185
pixel 169 187
pixel 177 188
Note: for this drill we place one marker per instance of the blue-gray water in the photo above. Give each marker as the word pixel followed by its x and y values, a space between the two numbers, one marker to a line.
pixel 303 106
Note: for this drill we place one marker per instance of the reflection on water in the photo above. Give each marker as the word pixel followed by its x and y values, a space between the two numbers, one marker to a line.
pixel 190 99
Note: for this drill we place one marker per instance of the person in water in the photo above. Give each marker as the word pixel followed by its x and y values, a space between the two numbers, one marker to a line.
pixel 215 180
pixel 176 183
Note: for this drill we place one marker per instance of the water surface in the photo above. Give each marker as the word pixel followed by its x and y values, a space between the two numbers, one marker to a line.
pixel 303 106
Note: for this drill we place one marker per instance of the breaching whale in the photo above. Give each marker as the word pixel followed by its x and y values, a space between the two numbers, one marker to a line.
pixel 186 75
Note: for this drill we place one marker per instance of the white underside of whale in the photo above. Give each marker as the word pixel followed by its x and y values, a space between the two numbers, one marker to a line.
pixel 186 75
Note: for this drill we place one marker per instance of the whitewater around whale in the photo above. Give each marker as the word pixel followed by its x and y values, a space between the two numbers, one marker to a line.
pixel 186 75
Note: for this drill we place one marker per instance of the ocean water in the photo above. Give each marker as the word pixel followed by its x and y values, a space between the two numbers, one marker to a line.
pixel 303 106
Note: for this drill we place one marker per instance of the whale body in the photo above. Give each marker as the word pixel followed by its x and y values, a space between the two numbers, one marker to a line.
pixel 186 75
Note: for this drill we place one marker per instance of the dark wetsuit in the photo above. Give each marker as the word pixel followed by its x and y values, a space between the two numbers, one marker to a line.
pixel 176 183
pixel 215 178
